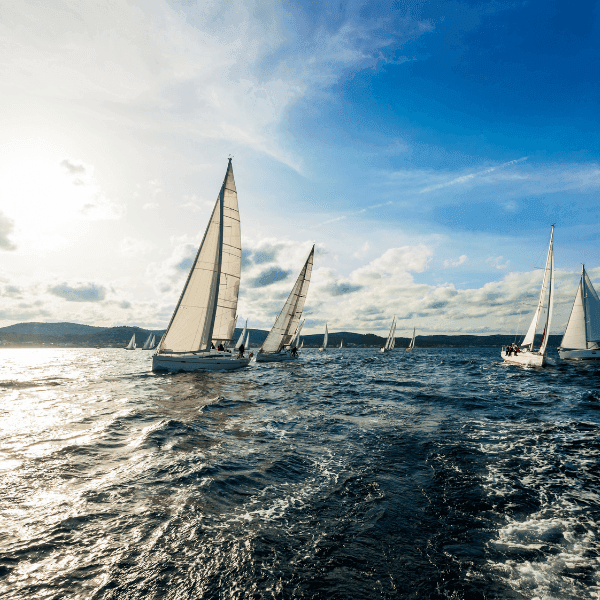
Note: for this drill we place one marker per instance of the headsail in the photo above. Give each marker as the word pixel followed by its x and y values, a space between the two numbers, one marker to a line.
pixel 592 313
pixel 286 323
pixel 247 342
pixel 207 306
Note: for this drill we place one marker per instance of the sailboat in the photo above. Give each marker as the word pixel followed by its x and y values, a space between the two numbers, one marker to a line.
pixel 131 345
pixel 581 340
pixel 286 329
pixel 391 340
pixel 527 355
pixel 325 338
pixel 341 344
pixel 206 310
pixel 301 345
pixel 242 336
pixel 148 343
pixel 247 342
pixel 411 345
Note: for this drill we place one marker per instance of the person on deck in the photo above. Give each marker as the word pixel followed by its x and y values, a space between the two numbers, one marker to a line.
pixel 221 348
pixel 294 351
pixel 212 346
pixel 241 350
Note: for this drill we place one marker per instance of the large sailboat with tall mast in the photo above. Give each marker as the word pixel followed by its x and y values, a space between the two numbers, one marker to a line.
pixel 206 312
pixel 581 340
pixel 284 335
pixel 527 355
pixel 390 342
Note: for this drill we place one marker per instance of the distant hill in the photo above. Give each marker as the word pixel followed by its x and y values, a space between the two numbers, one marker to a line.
pixel 75 335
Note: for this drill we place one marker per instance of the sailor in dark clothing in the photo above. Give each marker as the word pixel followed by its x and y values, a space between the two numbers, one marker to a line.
pixel 221 348
pixel 294 351
pixel 241 350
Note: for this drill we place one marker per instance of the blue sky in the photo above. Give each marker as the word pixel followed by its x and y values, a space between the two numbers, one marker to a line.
pixel 425 147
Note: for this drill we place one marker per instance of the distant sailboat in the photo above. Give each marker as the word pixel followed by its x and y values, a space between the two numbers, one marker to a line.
pixel 206 311
pixel 286 329
pixel 411 345
pixel 242 336
pixel 247 343
pixel 581 340
pixel 131 345
pixel 148 343
pixel 341 344
pixel 527 356
pixel 301 345
pixel 391 340
pixel 325 338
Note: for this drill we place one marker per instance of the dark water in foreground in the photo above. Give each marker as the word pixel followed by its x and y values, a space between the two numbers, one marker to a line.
pixel 442 474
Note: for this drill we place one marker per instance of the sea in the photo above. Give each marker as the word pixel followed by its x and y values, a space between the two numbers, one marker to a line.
pixel 441 473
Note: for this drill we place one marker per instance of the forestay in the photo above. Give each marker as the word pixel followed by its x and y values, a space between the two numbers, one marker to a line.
pixel 289 317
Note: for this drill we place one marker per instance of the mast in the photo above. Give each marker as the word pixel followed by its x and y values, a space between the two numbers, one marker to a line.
pixel 584 303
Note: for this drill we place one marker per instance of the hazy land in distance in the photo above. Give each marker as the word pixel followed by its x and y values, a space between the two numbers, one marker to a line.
pixel 73 335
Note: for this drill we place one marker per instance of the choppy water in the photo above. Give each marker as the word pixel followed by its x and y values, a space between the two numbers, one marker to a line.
pixel 441 474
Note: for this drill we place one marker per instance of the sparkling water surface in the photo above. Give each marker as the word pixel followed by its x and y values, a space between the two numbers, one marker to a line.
pixel 346 474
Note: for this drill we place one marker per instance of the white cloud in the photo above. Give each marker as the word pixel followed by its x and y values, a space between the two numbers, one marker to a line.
pixel 6 228
pixel 496 261
pixel 455 263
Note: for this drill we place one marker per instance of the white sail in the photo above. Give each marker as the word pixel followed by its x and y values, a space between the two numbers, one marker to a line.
pixel 148 342
pixel 547 287
pixel 131 345
pixel 325 337
pixel 592 313
pixel 152 342
pixel 393 338
pixel 247 342
pixel 286 323
pixel 341 344
pixel 207 306
pixel 575 335
pixel 388 341
pixel 241 338
pixel 296 336
pixel 301 344
pixel 412 340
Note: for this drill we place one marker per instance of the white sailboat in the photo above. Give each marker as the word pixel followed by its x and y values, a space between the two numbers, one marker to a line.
pixel 131 345
pixel 411 345
pixel 581 340
pixel 286 328
pixel 247 342
pixel 148 343
pixel 527 355
pixel 241 338
pixel 341 344
pixel 301 345
pixel 391 340
pixel 206 311
pixel 325 338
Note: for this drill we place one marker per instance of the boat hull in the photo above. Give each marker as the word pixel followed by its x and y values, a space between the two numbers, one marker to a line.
pixel 321 349
pixel 220 361
pixel 279 357
pixel 526 359
pixel 579 354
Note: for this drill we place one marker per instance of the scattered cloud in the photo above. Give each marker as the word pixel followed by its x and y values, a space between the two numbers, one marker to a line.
pixel 86 292
pixel 455 263
pixel 7 227
pixel 496 261
pixel 269 276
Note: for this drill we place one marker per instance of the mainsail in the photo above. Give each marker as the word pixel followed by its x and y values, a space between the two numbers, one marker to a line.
pixel 131 345
pixel 583 327
pixel 547 289
pixel 287 322
pixel 207 306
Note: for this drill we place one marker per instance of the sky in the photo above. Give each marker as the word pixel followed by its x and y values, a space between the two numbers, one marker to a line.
pixel 425 148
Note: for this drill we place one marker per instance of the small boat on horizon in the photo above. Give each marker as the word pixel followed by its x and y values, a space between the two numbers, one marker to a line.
pixel 525 354
pixel 325 338
pixel 391 340
pixel 411 345
pixel 131 345
pixel 581 340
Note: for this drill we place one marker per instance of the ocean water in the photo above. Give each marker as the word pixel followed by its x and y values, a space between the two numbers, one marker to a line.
pixel 346 474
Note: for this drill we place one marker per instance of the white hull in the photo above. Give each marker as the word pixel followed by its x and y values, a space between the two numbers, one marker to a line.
pixel 322 349
pixel 579 354
pixel 527 359
pixel 213 361
pixel 280 357
pixel 382 349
